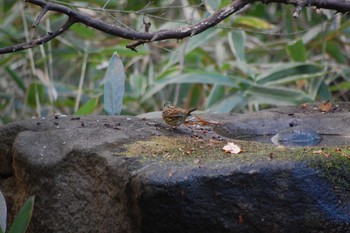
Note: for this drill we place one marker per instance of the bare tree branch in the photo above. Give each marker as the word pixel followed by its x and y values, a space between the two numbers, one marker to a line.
pixel 341 6
pixel 42 40
pixel 146 37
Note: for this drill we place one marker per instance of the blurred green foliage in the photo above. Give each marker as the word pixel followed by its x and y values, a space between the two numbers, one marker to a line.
pixel 22 220
pixel 258 58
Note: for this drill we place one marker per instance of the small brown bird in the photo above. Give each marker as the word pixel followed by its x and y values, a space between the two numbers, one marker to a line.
pixel 175 116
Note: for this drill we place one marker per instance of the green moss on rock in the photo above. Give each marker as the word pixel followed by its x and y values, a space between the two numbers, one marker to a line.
pixel 334 162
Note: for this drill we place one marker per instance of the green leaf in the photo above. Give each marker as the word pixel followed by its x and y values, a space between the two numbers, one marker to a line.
pixel 312 33
pixel 227 104
pixel 225 3
pixel 83 31
pixel 88 107
pixel 237 44
pixel 277 95
pixel 214 4
pixel 336 51
pixel 216 93
pixel 35 90
pixel 7 5
pixel 3 213
pixel 22 220
pixel 289 72
pixel 121 49
pixel 297 51
pixel 194 42
pixel 114 87
pixel 288 25
pixel 6 60
pixel 136 86
pixel 343 86
pixel 171 77
pixel 152 91
pixel 194 94
pixel 5 100
pixel 324 92
pixel 16 78
pixel 201 77
pixel 314 86
pixel 156 87
pixel 253 22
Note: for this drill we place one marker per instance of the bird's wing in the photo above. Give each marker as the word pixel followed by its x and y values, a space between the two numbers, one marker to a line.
pixel 175 114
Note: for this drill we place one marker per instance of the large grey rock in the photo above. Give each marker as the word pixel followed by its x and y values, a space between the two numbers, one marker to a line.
pixel 269 122
pixel 86 180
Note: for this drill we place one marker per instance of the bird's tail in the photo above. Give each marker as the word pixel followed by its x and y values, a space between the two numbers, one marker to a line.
pixel 191 110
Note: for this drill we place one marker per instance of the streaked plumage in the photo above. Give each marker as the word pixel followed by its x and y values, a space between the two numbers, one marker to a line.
pixel 175 116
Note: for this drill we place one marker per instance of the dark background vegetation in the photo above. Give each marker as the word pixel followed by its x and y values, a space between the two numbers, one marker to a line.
pixel 257 58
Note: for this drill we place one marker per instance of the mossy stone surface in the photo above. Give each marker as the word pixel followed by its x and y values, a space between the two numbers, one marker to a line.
pixel 128 174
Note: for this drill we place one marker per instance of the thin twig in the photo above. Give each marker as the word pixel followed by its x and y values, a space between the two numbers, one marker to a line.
pixel 39 17
pixel 42 40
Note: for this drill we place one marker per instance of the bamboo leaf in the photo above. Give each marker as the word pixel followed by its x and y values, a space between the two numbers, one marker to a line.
pixel 324 92
pixel 88 107
pixel 237 44
pixel 227 104
pixel 83 31
pixel 277 95
pixel 201 77
pixel 217 93
pixel 22 220
pixel 253 22
pixel 3 213
pixel 114 86
pixel 16 78
pixel 297 51
pixel 286 71
pixel 194 42
pixel 36 92
pixel 335 50
pixel 195 77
